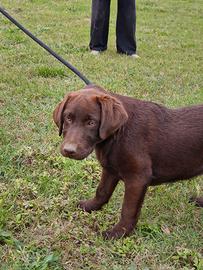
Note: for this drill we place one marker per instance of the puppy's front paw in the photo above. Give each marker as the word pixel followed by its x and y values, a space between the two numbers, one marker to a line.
pixel 89 205
pixel 117 232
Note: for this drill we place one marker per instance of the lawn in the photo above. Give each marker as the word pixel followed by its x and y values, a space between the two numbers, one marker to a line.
pixel 40 225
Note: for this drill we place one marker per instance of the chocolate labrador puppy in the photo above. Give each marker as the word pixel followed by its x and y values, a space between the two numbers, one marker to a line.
pixel 139 142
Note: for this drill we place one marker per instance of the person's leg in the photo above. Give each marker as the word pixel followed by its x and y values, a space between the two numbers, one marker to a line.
pixel 126 26
pixel 99 25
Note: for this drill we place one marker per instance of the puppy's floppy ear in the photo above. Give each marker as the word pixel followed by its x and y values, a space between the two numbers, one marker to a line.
pixel 58 114
pixel 113 115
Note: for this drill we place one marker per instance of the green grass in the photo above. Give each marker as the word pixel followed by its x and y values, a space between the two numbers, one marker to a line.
pixel 40 225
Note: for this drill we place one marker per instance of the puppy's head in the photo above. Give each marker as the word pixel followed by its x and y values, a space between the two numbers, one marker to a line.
pixel 85 118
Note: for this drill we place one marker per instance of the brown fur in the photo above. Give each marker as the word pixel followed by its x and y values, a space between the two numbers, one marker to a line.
pixel 139 142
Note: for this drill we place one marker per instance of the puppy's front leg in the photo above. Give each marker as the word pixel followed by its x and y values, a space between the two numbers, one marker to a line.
pixel 104 191
pixel 134 195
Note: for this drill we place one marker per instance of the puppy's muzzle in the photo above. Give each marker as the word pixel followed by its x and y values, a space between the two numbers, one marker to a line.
pixel 69 149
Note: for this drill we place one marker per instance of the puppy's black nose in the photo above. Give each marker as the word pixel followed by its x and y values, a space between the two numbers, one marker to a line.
pixel 70 149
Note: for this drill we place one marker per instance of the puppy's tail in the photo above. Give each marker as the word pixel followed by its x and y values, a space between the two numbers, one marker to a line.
pixel 197 201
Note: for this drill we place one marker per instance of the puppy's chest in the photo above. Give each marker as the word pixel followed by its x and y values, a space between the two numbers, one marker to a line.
pixel 108 159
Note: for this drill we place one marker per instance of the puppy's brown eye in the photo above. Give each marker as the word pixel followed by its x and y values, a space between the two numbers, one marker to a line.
pixel 91 123
pixel 69 119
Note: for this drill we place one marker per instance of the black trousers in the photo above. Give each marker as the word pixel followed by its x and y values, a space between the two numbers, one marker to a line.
pixel 125 26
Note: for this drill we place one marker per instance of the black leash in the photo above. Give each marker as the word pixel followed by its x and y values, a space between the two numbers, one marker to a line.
pixel 63 61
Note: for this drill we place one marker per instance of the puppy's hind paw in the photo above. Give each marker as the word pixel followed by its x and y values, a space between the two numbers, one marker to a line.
pixel 197 201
